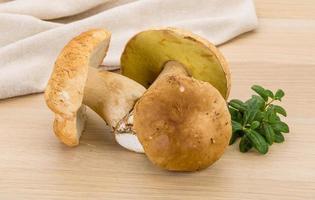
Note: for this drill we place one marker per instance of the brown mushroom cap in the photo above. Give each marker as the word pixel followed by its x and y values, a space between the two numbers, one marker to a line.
pixel 182 123
pixel 64 92
pixel 147 52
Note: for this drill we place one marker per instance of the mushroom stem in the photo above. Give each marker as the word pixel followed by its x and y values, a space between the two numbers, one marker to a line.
pixel 111 95
pixel 172 68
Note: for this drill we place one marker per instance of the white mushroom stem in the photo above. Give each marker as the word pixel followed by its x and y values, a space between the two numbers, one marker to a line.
pixel 125 135
pixel 112 96
pixel 172 68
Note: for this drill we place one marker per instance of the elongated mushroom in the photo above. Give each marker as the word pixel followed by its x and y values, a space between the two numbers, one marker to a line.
pixel 75 82
pixel 182 120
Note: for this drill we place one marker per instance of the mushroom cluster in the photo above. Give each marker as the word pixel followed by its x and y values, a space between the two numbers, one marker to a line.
pixel 169 102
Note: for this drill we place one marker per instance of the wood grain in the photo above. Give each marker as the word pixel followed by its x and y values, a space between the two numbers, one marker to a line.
pixel 279 54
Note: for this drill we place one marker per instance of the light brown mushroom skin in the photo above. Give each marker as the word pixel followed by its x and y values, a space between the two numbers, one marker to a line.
pixel 69 130
pixel 75 82
pixel 182 123
pixel 109 94
pixel 64 91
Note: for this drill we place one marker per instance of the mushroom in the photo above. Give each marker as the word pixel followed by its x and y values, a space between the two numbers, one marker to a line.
pixel 182 120
pixel 76 82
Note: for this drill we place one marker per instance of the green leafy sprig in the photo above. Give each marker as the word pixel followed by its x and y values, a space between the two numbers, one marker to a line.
pixel 257 121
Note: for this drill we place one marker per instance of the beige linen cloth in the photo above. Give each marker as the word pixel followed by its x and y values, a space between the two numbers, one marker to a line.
pixel 32 32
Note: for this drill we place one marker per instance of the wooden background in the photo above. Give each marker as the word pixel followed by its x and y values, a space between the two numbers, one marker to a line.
pixel 279 54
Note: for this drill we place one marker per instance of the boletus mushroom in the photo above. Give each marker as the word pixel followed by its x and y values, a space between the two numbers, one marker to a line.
pixel 182 120
pixel 76 82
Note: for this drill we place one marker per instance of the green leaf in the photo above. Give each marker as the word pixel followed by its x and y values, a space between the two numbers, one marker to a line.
pixel 237 104
pixel 233 113
pixel 257 141
pixel 249 116
pixel 251 103
pixel 280 127
pixel 236 126
pixel 234 137
pixel 279 94
pixel 279 137
pixel 239 118
pixel 255 125
pixel 269 133
pixel 280 110
pixel 273 117
pixel 245 144
pixel 270 115
pixel 259 116
pixel 256 121
pixel 261 91
pixel 255 102
pixel 270 94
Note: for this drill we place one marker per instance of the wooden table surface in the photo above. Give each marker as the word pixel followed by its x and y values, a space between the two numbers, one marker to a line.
pixel 279 54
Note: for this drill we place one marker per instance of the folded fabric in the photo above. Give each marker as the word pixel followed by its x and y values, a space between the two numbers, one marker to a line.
pixel 45 9
pixel 29 45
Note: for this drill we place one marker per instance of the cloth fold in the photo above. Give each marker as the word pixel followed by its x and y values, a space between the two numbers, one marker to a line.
pixel 45 9
pixel 29 45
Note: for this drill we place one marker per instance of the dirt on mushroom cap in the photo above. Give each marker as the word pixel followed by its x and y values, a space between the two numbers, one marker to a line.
pixel 183 124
